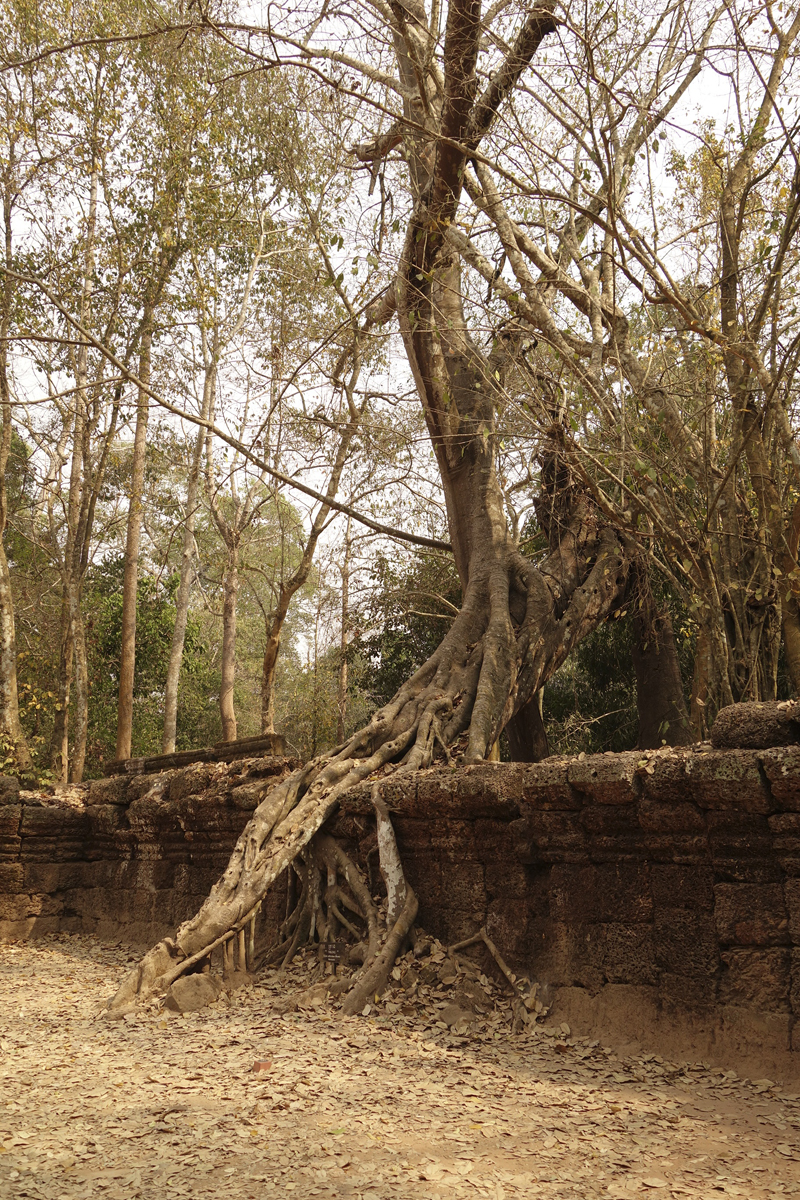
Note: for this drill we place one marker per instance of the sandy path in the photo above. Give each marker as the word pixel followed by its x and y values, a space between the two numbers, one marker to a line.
pixel 161 1106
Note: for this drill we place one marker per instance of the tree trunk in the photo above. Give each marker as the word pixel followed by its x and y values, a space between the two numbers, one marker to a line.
pixel 10 726
pixel 341 701
pixel 663 719
pixel 59 738
pixel 81 700
pixel 271 648
pixel 184 585
pixel 228 668
pixel 527 736
pixel 518 621
pixel 130 581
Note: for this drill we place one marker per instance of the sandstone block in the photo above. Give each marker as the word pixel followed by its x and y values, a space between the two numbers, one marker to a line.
pixel 504 879
pixel 59 821
pixel 465 887
pixel 108 791
pixel 10 842
pixel 686 942
pixel 611 821
pixel 248 796
pixel 716 779
pixel 682 886
pixel 687 991
pixel 623 953
pixel 546 785
pixel 487 790
pixel 794 989
pixel 792 896
pixel 544 836
pixel 190 993
pixel 675 816
pixel 11 877
pixel 782 769
pixel 750 914
pixel 757 979
pixel 608 779
pixel 757 726
pixel 738 869
pixel 454 841
pixel 601 892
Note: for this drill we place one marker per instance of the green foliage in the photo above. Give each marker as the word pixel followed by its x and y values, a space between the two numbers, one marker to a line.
pixel 198 716
pixel 412 603
pixel 590 703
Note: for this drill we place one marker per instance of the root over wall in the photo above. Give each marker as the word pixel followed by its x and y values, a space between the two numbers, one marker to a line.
pixel 656 896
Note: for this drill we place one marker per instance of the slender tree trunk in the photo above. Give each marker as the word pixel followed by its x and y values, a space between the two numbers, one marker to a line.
pixel 10 726
pixel 73 550
pixel 185 582
pixel 230 597
pixel 132 543
pixel 59 738
pixel 81 700
pixel 291 586
pixel 271 648
pixel 342 696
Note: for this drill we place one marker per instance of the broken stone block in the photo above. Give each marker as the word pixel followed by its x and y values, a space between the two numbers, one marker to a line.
pixel 757 726
pixel 190 993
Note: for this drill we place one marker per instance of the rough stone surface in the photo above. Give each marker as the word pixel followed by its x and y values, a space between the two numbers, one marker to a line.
pixel 757 726
pixel 657 895
pixel 190 993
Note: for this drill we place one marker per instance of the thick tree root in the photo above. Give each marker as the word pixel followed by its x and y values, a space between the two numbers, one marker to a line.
pixel 516 626
pixel 335 902
pixel 334 910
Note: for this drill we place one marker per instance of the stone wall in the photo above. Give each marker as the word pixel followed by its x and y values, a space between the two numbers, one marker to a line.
pixel 657 896
pixel 128 857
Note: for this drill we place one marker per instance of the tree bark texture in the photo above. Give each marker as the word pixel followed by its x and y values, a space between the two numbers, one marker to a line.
pixel 185 581
pixel 11 731
pixel 133 533
pixel 663 719
pixel 230 593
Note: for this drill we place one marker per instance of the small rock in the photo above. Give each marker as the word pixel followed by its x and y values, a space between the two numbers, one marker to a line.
pixel 313 997
pixel 190 993
pixel 451 1014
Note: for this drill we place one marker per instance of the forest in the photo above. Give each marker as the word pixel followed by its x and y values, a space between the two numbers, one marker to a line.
pixel 395 366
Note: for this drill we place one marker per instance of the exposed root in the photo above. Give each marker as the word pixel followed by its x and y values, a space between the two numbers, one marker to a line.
pixel 335 902
pixel 488 665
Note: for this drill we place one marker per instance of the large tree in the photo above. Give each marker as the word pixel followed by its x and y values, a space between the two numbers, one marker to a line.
pixel 518 215
pixel 518 621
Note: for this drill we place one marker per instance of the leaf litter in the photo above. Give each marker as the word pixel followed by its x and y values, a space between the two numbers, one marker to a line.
pixel 444 1088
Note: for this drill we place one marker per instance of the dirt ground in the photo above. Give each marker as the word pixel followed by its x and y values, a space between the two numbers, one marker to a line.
pixel 377 1107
